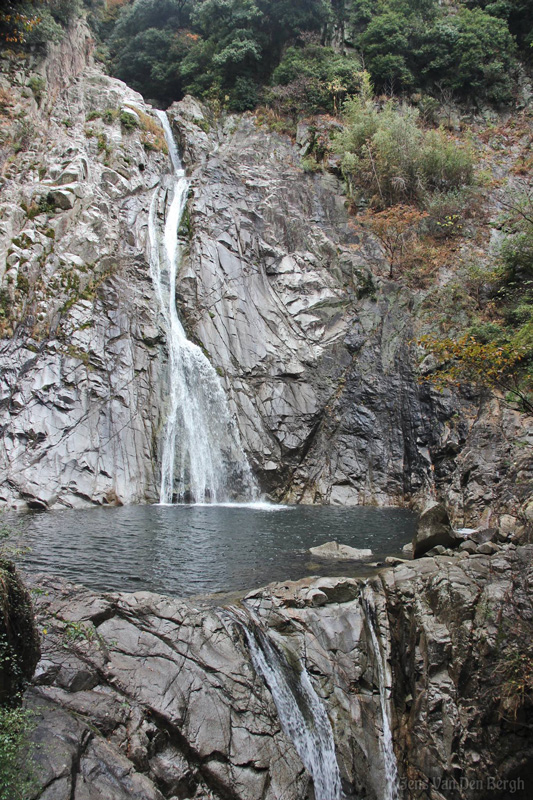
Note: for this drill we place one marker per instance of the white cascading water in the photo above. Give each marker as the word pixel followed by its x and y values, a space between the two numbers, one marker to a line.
pixel 202 459
pixel 387 747
pixel 300 711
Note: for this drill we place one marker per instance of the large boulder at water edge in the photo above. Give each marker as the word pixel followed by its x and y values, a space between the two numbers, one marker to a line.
pixel 433 529
pixel 334 550
pixel 19 640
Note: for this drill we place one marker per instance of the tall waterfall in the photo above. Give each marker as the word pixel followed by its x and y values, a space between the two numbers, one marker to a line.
pixel 301 713
pixel 384 679
pixel 202 458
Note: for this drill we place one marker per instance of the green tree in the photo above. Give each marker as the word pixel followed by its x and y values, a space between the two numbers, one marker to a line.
pixel 150 62
pixel 518 15
pixel 472 54
pixel 144 14
pixel 385 46
pixel 320 77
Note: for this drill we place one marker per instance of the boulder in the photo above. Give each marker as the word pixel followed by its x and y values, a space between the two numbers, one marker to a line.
pixel 484 535
pixel 337 551
pixel 433 529
pixel 488 548
pixel 63 199
pixel 468 547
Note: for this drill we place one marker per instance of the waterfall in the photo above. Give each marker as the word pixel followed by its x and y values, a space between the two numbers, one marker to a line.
pixel 301 713
pixel 384 679
pixel 202 458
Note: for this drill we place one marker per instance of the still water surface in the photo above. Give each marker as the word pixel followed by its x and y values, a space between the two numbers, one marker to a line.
pixel 192 550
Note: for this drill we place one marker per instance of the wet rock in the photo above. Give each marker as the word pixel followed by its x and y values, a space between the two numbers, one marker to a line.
pixel 484 535
pixel 433 530
pixel 336 551
pixel 449 648
pixel 179 706
pixel 439 550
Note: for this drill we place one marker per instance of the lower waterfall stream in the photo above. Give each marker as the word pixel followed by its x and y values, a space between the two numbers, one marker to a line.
pixel 389 758
pixel 300 710
pixel 202 459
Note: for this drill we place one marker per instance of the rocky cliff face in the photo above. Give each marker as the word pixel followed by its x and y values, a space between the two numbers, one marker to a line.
pixel 154 697
pixel 284 293
pixel 315 346
pixel 82 357
pixel 314 355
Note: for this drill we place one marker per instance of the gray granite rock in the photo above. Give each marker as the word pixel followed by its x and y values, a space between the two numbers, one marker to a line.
pixel 178 707
pixel 340 552
pixel 433 531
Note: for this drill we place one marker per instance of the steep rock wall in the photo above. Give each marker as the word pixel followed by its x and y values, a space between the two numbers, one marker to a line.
pixel 284 292
pixel 316 347
pixel 314 351
pixel 82 361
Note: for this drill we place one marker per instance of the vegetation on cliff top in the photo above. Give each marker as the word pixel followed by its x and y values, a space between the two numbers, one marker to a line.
pixel 242 51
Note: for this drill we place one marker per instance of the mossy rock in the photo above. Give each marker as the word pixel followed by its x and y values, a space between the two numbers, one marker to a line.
pixel 19 640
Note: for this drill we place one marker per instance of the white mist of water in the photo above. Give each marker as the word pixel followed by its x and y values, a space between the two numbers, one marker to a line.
pixel 300 711
pixel 384 679
pixel 202 459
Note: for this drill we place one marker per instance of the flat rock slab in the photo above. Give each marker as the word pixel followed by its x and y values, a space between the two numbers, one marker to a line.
pixel 341 552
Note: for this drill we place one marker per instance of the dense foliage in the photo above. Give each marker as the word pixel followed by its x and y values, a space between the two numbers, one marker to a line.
pixel 303 54
pixel 15 780
pixel 306 54
pixel 389 158
pixel 34 23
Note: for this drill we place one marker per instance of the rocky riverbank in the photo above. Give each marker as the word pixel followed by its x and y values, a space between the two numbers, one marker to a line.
pixel 152 697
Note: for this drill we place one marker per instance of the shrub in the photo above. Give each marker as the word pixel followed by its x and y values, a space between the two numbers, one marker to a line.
pixel 395 228
pixel 15 779
pixel 386 155
pixel 447 212
pixel 491 365
pixel 37 84
pixel 46 29
pixel 109 116
pixel 128 121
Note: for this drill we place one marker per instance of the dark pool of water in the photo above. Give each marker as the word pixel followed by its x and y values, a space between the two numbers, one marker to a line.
pixel 192 550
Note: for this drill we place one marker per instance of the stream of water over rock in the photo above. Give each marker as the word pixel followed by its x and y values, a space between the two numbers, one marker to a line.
pixel 300 710
pixel 202 459
pixel 390 766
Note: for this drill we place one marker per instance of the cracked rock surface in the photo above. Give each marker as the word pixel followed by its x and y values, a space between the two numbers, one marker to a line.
pixel 82 357
pixel 315 347
pixel 140 695
pixel 279 285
